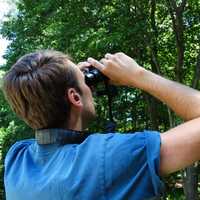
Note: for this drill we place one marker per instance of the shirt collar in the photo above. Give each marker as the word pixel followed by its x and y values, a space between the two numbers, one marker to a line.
pixel 61 136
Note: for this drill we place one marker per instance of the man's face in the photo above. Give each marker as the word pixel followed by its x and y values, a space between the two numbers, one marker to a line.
pixel 88 112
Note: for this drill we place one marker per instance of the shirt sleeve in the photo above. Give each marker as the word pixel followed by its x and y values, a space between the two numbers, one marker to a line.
pixel 132 165
pixel 153 143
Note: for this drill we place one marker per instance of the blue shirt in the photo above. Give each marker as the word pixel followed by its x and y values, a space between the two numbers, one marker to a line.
pixel 102 167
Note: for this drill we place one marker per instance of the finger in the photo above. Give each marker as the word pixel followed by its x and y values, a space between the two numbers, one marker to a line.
pixel 119 54
pixel 116 58
pixel 83 65
pixel 104 61
pixel 109 56
pixel 96 64
pixel 112 57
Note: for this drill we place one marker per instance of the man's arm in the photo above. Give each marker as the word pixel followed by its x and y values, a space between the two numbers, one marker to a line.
pixel 181 145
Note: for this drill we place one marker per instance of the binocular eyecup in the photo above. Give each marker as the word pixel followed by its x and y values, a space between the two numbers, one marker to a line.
pixel 93 76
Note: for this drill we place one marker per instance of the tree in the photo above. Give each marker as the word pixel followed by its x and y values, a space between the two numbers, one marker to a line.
pixel 161 36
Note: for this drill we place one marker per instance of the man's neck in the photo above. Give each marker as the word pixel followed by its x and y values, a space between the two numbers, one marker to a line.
pixel 75 124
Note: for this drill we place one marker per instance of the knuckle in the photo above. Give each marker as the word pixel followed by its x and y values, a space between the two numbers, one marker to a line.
pixel 120 53
pixel 103 60
pixel 109 62
pixel 95 62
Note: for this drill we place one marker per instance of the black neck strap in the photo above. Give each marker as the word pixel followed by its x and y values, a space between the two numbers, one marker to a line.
pixel 61 136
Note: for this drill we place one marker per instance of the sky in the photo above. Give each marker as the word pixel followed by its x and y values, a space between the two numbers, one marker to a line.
pixel 5 7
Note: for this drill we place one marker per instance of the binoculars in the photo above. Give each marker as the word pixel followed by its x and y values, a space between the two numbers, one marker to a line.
pixel 93 76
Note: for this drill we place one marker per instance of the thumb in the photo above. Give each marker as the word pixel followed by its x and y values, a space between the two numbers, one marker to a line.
pixel 96 64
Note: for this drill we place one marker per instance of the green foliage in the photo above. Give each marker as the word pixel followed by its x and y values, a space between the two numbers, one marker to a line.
pixel 92 28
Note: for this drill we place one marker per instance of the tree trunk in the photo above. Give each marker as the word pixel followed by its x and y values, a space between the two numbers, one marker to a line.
pixel 155 67
pixel 154 43
pixel 176 13
pixel 197 73
pixel 191 178
pixel 171 119
pixel 191 183
pixel 152 110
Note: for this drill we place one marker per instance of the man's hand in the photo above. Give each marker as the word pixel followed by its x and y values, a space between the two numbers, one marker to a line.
pixel 119 68
pixel 82 65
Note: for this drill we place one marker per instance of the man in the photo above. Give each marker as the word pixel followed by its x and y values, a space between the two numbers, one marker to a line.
pixel 49 93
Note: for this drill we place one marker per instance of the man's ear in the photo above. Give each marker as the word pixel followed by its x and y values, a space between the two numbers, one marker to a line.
pixel 74 97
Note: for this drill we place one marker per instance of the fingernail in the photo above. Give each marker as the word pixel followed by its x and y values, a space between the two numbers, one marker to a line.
pixel 90 59
pixel 108 54
pixel 86 63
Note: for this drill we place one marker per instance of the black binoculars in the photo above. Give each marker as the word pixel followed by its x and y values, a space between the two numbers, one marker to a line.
pixel 93 76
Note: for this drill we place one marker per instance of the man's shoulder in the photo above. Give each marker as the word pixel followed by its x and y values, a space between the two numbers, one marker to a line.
pixel 22 143
pixel 146 134
pixel 19 146
pixel 118 140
